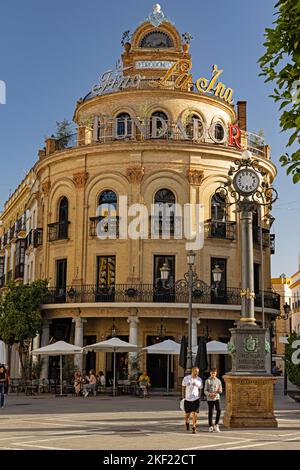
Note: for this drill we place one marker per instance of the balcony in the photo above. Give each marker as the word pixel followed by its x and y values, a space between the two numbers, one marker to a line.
pixel 34 238
pixel 257 235
pixel 148 293
pixel 219 229
pixel 58 231
pixel 19 271
pixel 20 228
pixel 111 228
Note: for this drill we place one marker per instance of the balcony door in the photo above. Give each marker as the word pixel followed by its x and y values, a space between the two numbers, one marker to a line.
pixel 163 291
pixel 61 279
pixel 219 293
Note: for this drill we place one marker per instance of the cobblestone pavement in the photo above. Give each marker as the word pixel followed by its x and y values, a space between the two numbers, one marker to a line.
pixel 127 422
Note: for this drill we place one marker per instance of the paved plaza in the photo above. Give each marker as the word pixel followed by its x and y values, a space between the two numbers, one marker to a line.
pixel 127 422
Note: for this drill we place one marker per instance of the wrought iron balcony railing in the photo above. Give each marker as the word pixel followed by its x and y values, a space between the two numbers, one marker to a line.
pixel 150 293
pixel 109 228
pixel 58 231
pixel 219 229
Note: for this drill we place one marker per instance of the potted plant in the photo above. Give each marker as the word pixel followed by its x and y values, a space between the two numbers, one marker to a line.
pixel 126 40
pixel 187 37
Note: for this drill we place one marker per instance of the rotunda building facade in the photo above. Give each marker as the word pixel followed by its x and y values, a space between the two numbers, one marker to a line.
pixel 119 201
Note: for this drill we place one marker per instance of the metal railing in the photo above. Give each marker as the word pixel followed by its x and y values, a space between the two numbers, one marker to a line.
pixel 150 293
pixel 109 228
pixel 256 144
pixel 219 229
pixel 58 231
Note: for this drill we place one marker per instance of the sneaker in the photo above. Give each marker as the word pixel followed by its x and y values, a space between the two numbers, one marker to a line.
pixel 187 425
pixel 193 430
pixel 216 428
pixel 210 429
pixel 86 394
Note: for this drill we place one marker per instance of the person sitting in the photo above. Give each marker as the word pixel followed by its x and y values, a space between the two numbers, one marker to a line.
pixel 101 379
pixel 77 382
pixel 144 383
pixel 91 385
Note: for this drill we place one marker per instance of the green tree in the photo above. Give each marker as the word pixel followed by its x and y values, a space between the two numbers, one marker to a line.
pixel 293 370
pixel 63 132
pixel 281 64
pixel 20 317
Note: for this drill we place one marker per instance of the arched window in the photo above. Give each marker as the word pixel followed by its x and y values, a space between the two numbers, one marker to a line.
pixel 124 125
pixel 63 210
pixel 219 132
pixel 164 212
pixel 160 129
pixel 194 130
pixel 156 40
pixel 107 209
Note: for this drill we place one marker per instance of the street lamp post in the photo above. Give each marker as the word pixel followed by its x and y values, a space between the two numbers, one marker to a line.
pixel 190 261
pixel 285 316
pixel 194 286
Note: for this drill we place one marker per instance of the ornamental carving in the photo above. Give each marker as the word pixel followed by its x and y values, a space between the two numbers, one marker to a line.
pixel 195 176
pixel 46 188
pixel 135 174
pixel 80 179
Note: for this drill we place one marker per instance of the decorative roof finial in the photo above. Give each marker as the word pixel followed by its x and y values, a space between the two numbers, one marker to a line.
pixel 157 17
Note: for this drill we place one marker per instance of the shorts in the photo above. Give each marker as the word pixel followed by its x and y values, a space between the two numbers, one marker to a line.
pixel 192 406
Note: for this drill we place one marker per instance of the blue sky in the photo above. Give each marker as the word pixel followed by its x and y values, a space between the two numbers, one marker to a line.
pixel 53 52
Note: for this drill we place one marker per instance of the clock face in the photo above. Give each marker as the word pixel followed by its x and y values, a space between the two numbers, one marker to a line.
pixel 246 181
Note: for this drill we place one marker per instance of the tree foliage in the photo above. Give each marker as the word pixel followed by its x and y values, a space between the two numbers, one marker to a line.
pixel 281 65
pixel 63 132
pixel 293 370
pixel 20 317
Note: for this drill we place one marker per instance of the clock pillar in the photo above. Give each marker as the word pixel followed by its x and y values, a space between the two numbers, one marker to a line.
pixel 249 388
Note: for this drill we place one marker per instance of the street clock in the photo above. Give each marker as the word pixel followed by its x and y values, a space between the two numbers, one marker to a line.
pixel 246 181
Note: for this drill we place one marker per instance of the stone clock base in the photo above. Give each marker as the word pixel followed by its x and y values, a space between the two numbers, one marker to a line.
pixel 249 402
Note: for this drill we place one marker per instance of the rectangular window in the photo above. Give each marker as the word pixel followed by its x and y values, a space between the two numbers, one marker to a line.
pixel 106 277
pixel 106 271
pixel 219 292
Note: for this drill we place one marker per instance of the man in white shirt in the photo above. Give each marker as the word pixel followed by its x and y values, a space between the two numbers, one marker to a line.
pixel 191 390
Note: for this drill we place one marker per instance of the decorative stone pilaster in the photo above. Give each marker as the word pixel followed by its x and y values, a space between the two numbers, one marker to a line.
pixel 78 341
pixel 44 342
pixel 195 177
pixel 133 339
pixel 135 174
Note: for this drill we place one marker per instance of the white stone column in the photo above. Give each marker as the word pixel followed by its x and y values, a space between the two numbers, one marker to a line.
pixel 44 342
pixel 78 341
pixel 36 345
pixel 195 323
pixel 133 339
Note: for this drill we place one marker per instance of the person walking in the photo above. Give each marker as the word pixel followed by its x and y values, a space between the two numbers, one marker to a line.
pixel 3 381
pixel 191 392
pixel 212 390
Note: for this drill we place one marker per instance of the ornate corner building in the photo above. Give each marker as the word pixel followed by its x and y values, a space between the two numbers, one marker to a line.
pixel 147 133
